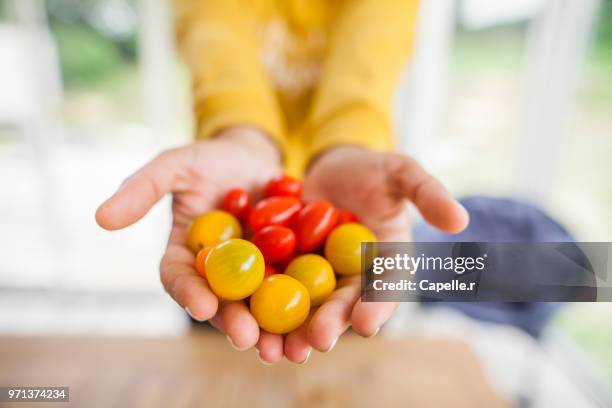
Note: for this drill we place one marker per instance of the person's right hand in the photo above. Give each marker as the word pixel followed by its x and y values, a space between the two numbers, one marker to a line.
pixel 198 175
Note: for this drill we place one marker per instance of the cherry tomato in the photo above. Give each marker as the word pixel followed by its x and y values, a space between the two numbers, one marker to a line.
pixel 283 186
pixel 234 269
pixel 346 216
pixel 270 270
pixel 316 274
pixel 274 211
pixel 200 260
pixel 211 228
pixel 313 224
pixel 281 304
pixel 343 247
pixel 237 203
pixel 275 242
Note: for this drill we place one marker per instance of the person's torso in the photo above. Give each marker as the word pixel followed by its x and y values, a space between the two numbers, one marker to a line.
pixel 294 35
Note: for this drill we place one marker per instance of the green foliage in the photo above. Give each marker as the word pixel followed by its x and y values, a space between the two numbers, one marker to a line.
pixel 604 33
pixel 86 57
pixel 90 53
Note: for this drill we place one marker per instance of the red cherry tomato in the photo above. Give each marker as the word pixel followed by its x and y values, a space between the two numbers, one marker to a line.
pixel 283 186
pixel 346 216
pixel 237 202
pixel 313 224
pixel 274 211
pixel 275 242
pixel 270 270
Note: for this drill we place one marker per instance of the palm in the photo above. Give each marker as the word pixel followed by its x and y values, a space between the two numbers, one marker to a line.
pixel 213 167
pixel 375 186
pixel 362 182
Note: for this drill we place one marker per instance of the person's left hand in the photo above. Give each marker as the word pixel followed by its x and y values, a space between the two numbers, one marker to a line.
pixel 376 187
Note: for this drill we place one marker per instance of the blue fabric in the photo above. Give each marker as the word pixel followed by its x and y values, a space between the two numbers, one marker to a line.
pixel 502 220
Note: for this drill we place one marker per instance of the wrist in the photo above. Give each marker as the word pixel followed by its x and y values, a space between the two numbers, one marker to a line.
pixel 252 139
pixel 334 154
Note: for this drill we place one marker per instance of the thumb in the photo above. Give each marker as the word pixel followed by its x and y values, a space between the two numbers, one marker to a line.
pixel 433 201
pixel 142 190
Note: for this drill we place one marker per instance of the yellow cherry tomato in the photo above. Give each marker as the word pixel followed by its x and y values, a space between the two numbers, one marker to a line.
pixel 211 228
pixel 343 247
pixel 316 274
pixel 281 304
pixel 235 269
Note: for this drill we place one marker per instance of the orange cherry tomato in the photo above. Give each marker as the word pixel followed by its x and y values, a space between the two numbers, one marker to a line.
pixel 346 216
pixel 275 242
pixel 235 269
pixel 211 228
pixel 281 304
pixel 237 202
pixel 343 247
pixel 200 260
pixel 283 186
pixel 316 273
pixel 313 224
pixel 274 211
pixel 270 270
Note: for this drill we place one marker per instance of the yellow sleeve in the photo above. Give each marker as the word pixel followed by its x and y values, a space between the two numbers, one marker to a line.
pixel 230 87
pixel 370 42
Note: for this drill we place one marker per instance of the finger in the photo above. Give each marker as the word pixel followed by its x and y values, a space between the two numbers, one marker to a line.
pixel 236 322
pixel 333 317
pixel 184 285
pixel 368 317
pixel 430 197
pixel 270 347
pixel 142 190
pixel 178 233
pixel 297 349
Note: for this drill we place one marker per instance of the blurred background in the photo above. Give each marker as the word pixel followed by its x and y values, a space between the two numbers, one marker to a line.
pixel 505 98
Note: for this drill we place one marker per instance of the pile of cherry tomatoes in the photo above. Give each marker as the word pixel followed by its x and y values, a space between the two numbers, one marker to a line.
pixel 290 262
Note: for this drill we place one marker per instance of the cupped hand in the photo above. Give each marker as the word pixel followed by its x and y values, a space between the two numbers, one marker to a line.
pixel 373 185
pixel 376 186
pixel 198 175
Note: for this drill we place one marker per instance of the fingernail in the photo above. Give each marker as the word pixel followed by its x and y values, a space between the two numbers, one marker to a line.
pixel 264 362
pixel 235 346
pixel 332 345
pixel 192 316
pixel 307 357
pixel 374 334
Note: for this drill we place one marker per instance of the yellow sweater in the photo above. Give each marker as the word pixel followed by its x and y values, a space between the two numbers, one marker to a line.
pixel 312 74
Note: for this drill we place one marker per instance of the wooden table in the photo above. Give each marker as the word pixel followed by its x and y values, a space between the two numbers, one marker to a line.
pixel 203 370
